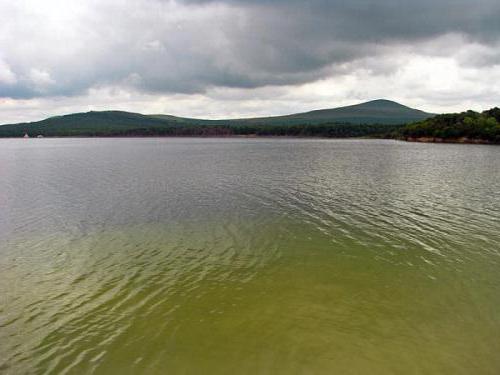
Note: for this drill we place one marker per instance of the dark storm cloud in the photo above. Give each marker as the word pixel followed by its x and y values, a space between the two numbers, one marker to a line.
pixel 189 46
pixel 374 19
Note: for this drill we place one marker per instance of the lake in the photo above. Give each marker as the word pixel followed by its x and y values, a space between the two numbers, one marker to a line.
pixel 249 256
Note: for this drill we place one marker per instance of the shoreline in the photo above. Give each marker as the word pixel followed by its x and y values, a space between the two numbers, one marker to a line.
pixel 462 140
pixel 196 136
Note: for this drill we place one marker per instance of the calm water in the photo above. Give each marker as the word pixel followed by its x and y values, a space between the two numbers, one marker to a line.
pixel 199 256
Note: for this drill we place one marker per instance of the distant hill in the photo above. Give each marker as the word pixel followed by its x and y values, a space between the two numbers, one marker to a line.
pixel 384 112
pixel 119 123
pixel 87 124
pixel 374 112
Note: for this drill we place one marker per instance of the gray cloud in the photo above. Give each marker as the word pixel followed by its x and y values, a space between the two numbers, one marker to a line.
pixel 189 47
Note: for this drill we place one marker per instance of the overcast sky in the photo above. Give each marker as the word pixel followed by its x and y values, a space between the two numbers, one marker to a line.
pixel 238 58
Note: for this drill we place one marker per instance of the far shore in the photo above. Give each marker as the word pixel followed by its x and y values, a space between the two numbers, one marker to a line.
pixel 462 140
pixel 253 136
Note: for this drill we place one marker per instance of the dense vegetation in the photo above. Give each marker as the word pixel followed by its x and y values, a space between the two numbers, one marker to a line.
pixel 304 130
pixel 467 126
pixel 323 130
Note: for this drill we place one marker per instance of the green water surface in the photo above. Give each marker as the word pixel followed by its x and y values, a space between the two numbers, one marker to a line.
pixel 200 256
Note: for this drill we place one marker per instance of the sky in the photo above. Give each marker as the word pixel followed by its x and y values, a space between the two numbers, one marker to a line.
pixel 245 58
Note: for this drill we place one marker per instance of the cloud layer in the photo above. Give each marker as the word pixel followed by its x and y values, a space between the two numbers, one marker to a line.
pixel 63 51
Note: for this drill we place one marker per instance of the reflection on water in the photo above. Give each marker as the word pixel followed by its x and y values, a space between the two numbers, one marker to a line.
pixel 248 256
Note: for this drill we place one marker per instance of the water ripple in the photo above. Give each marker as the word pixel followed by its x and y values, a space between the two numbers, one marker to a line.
pixel 248 256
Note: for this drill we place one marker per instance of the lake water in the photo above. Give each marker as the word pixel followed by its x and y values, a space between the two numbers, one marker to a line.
pixel 249 256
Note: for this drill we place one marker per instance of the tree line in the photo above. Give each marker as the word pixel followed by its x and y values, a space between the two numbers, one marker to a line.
pixel 469 125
